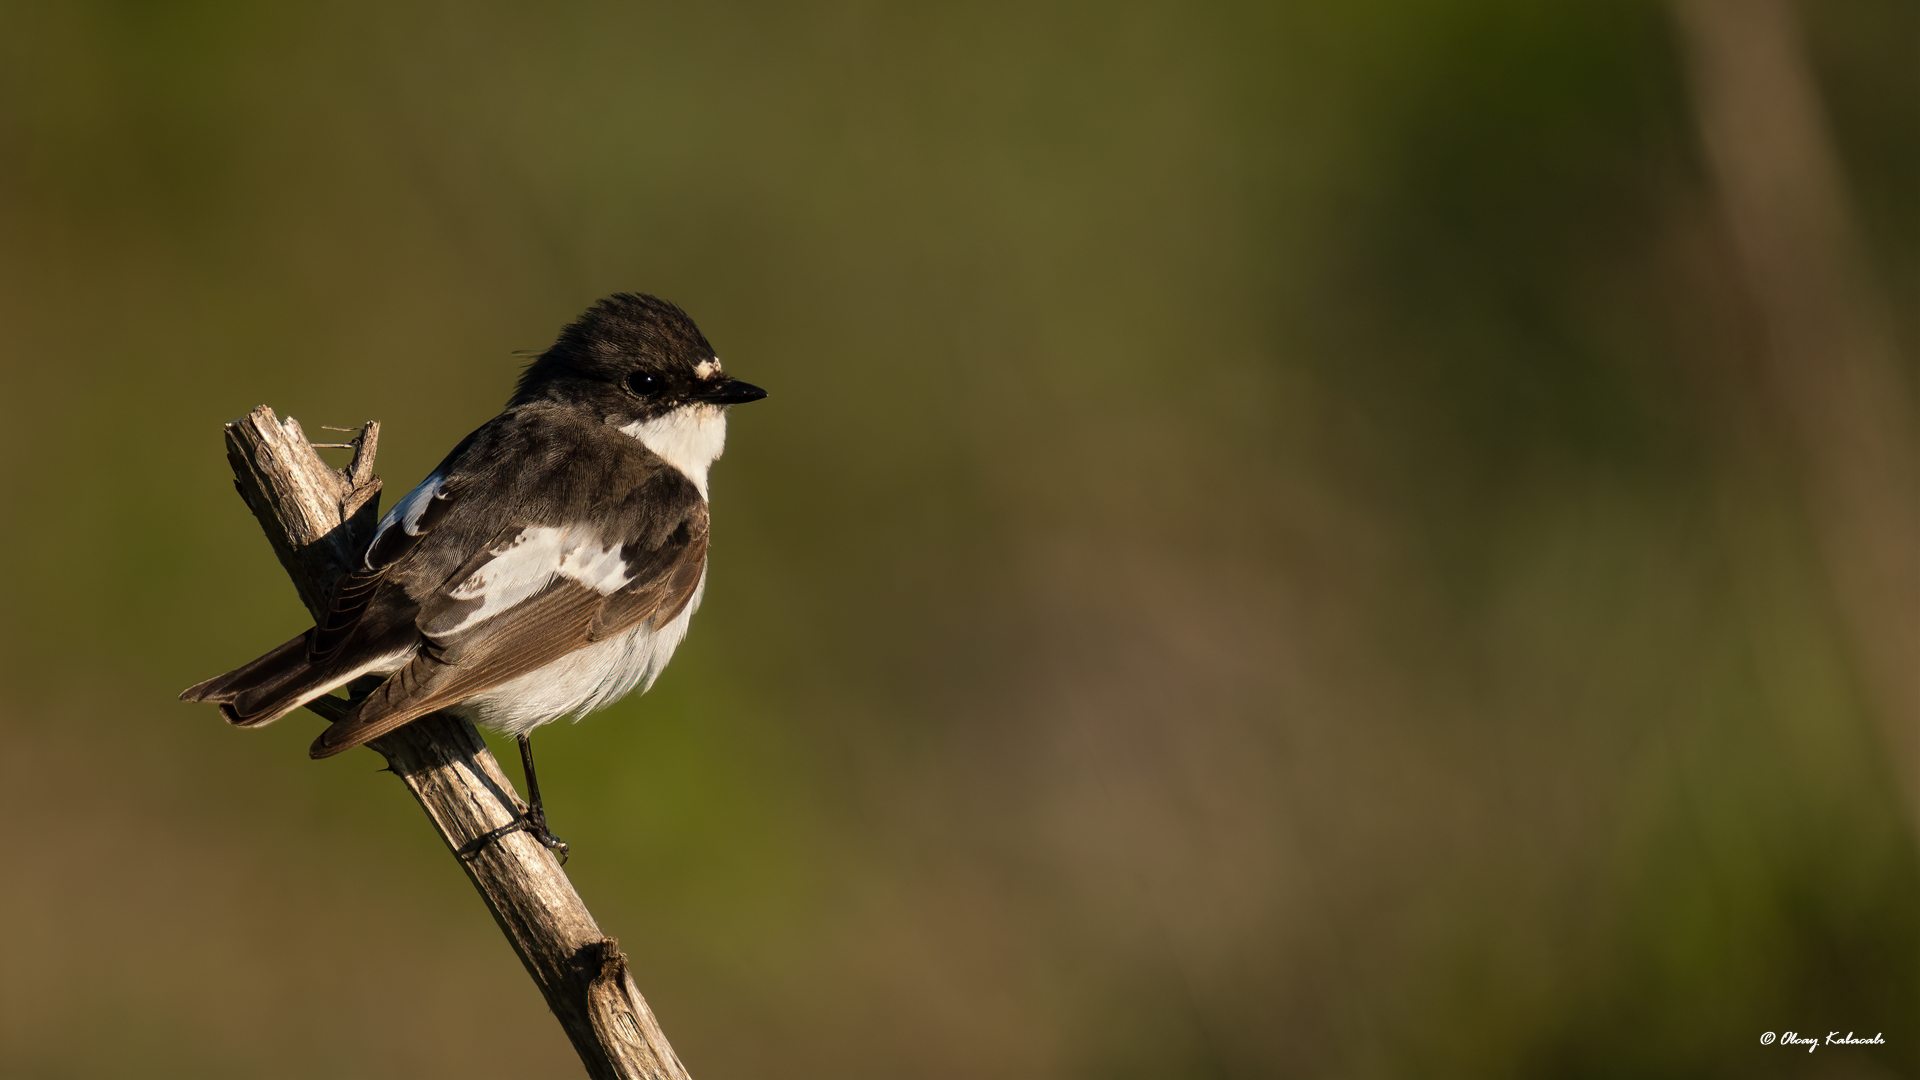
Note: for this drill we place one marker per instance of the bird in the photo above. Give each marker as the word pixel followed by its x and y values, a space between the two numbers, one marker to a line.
pixel 548 567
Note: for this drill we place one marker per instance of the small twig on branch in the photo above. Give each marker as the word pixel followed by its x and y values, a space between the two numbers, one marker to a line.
pixel 318 520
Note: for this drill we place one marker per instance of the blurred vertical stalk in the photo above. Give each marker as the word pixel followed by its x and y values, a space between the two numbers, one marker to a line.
pixel 1831 377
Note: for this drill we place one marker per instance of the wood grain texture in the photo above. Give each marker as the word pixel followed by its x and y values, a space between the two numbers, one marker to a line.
pixel 318 519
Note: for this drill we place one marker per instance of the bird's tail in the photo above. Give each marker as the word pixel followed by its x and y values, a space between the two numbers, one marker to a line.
pixel 269 688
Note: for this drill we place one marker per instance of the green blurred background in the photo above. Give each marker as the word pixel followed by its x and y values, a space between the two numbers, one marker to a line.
pixel 1260 560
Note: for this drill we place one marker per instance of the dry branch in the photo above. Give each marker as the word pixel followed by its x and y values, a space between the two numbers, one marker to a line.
pixel 318 520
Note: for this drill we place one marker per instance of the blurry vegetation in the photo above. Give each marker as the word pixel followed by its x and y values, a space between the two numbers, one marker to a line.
pixel 1261 557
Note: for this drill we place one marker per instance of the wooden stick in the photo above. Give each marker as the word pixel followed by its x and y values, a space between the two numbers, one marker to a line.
pixel 318 520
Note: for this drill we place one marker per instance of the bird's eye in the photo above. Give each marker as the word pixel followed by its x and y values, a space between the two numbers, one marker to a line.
pixel 643 383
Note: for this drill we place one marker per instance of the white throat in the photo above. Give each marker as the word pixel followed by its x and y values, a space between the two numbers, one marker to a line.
pixel 688 438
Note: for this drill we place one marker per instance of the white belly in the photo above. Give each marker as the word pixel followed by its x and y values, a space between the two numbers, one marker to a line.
pixel 583 680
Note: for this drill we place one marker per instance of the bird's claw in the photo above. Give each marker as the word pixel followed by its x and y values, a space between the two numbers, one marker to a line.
pixel 534 821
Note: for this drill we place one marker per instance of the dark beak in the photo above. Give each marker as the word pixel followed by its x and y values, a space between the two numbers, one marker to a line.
pixel 731 392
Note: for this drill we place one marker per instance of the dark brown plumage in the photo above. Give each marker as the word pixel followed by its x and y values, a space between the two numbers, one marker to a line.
pixel 547 566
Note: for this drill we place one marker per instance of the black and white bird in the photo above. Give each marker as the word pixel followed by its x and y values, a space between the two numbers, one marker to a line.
pixel 547 568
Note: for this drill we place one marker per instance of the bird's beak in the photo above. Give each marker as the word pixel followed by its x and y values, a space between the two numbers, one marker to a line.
pixel 731 392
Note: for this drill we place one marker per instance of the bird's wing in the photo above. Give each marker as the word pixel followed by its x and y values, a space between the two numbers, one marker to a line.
pixel 579 559
pixel 345 625
pixel 367 623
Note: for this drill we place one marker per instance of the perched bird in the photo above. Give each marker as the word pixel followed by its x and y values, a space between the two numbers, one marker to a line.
pixel 547 568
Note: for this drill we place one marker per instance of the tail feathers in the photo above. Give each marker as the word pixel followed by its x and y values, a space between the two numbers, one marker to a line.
pixel 398 701
pixel 269 688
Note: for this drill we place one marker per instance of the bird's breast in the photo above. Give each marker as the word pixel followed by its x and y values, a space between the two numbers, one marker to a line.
pixel 689 438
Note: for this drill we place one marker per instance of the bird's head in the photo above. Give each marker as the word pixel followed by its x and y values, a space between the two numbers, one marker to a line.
pixel 637 356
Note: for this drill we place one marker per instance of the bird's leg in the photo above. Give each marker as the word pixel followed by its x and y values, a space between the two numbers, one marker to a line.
pixel 535 820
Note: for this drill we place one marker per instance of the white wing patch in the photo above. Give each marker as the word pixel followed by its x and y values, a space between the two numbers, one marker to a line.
pixel 523 566
pixel 689 438
pixel 599 567
pixel 406 513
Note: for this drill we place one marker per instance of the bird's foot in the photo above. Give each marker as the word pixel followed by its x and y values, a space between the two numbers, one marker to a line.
pixel 534 821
